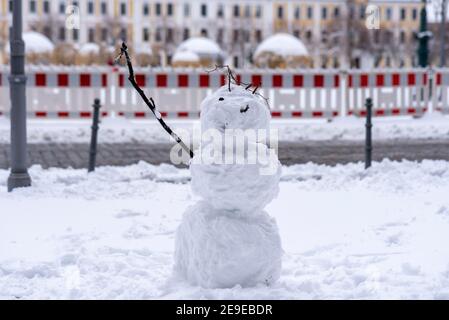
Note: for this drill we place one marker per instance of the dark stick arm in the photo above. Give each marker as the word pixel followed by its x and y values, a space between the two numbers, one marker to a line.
pixel 150 102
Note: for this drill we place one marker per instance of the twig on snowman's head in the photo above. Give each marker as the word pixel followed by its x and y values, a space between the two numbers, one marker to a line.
pixel 150 102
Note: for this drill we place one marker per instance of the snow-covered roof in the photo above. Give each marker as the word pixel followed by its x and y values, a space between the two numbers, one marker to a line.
pixel 90 48
pixel 35 43
pixel 201 46
pixel 185 56
pixel 282 44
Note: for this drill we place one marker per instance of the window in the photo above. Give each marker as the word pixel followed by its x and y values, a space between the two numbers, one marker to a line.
pixel 324 13
pixel 185 34
pixel 104 8
pixel 402 37
pixel 123 9
pixel 61 34
pixel 297 13
pixel 258 11
pixel 258 36
pixel 336 12
pixel 104 34
pixel 169 35
pixel 403 13
pixel 158 9
pixel 236 11
pixel 309 35
pixel 186 10
pixel 362 12
pixel 32 6
pixel 235 35
pixel 123 34
pixel 47 32
pixel 309 12
pixel 146 9
pixel 203 32
pixel 62 8
pixel 91 35
pixel 90 7
pixel 158 34
pixel 414 14
pixel 220 34
pixel 75 34
pixel 204 10
pixel 296 33
pixel 280 12
pixel 220 11
pixel 247 11
pixel 169 9
pixel 388 13
pixel 46 7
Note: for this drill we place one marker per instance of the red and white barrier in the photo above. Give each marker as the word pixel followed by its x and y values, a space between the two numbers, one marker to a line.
pixel 68 92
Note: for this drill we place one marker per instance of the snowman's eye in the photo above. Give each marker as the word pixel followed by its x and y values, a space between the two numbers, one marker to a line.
pixel 221 99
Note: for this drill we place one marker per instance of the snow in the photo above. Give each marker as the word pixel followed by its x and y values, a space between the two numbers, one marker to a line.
pixel 216 249
pixel 89 48
pixel 120 130
pixel 185 56
pixel 235 109
pixel 36 43
pixel 346 232
pixel 201 46
pixel 282 44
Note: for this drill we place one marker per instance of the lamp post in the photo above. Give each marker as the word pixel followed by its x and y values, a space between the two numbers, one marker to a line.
pixel 442 34
pixel 423 37
pixel 19 176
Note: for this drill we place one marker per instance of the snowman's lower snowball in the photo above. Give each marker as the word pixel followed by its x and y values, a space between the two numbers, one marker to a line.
pixel 222 251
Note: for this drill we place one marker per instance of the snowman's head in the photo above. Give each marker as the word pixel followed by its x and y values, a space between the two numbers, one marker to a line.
pixel 234 107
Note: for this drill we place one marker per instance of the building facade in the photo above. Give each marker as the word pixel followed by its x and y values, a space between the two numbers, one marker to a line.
pixel 334 31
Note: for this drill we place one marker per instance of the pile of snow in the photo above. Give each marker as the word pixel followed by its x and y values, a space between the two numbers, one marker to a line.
pixel 282 44
pixel 89 48
pixel 185 56
pixel 36 43
pixel 347 234
pixel 201 46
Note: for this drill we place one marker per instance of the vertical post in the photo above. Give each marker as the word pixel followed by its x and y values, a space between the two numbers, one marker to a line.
pixel 368 137
pixel 93 139
pixel 19 176
pixel 443 34
pixel 423 37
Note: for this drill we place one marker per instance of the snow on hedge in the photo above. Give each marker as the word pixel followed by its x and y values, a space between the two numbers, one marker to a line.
pixel 89 48
pixel 185 56
pixel 282 44
pixel 201 46
pixel 35 42
pixel 346 232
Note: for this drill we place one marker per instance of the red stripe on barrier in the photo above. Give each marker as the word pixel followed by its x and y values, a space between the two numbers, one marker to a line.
pixel 121 80
pixel 438 79
pixel 296 114
pixel 395 111
pixel 334 113
pixel 40 79
pixel 425 79
pixel 204 80
pixel 362 113
pixel 411 79
pixel 395 79
pixel 276 114
pixel 363 80
pixel 0 79
pixel 411 110
pixel 317 114
pixel 163 114
pixel 380 80
pixel 139 114
pixel 63 114
pixel 222 80
pixel 336 81
pixel 63 80
pixel 85 80
pixel 85 114
pixel 298 80
pixel 256 80
pixel 161 80
pixel 379 112
pixel 238 78
pixel 350 81
pixel 183 80
pixel 141 81
pixel 318 81
pixel 104 80
pixel 121 113
pixel 182 114
pixel 40 114
pixel 104 114
pixel 277 80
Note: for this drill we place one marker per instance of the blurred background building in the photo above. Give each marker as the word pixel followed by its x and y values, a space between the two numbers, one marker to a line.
pixel 329 34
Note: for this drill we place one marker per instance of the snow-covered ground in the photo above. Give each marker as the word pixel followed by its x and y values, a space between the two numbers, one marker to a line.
pixel 433 126
pixel 346 232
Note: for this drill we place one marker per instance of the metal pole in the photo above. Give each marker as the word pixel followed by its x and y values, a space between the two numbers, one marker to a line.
pixel 19 176
pixel 442 34
pixel 93 139
pixel 368 138
pixel 423 37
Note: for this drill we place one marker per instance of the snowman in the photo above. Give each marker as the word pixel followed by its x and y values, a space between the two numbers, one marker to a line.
pixel 226 238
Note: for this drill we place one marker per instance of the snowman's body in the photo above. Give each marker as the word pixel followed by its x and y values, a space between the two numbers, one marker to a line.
pixel 227 239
